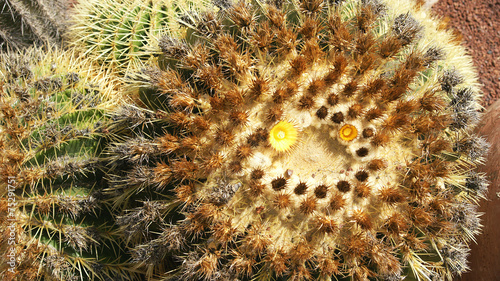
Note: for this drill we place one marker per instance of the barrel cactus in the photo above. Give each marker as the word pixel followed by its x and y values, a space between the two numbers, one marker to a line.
pixel 122 34
pixel 298 140
pixel 55 225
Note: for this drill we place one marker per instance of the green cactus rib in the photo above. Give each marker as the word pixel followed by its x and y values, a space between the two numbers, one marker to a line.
pixel 123 33
pixel 52 122
pixel 301 140
pixel 69 135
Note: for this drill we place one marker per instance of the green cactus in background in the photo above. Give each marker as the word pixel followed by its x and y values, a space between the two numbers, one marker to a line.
pixel 123 34
pixel 23 23
pixel 301 140
pixel 53 123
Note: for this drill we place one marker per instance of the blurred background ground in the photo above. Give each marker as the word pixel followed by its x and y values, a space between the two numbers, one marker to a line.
pixel 478 21
pixel 484 260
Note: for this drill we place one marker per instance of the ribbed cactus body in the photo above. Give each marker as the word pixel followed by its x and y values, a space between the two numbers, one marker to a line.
pixel 26 22
pixel 52 131
pixel 302 140
pixel 124 33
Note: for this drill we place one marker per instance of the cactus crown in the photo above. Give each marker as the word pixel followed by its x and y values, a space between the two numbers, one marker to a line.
pixel 303 139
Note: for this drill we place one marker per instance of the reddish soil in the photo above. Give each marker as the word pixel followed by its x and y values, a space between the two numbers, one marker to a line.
pixel 479 23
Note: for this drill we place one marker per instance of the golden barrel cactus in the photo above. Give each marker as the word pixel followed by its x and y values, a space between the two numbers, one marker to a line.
pixel 302 140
